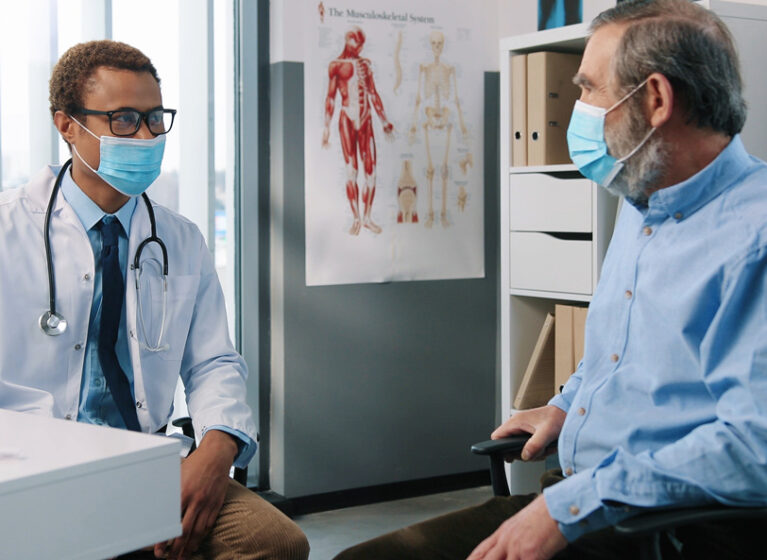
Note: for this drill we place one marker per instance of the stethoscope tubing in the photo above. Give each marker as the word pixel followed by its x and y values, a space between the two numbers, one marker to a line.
pixel 49 257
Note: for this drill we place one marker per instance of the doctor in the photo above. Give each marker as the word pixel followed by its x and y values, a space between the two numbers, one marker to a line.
pixel 99 331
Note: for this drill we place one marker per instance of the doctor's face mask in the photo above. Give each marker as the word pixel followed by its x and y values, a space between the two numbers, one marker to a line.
pixel 129 165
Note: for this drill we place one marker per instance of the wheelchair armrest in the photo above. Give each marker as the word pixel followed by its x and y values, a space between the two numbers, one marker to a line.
pixel 660 519
pixel 497 449
pixel 500 446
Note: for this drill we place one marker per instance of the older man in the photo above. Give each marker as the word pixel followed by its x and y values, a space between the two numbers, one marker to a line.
pixel 667 407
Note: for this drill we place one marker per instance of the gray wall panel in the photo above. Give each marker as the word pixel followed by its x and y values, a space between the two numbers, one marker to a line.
pixel 372 383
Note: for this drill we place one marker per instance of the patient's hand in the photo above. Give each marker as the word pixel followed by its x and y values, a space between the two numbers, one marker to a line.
pixel 543 423
pixel 530 534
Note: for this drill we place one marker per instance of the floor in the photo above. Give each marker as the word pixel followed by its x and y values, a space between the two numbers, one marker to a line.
pixel 330 532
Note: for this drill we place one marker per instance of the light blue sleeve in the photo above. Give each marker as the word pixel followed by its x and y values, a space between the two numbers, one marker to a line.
pixel 724 460
pixel 564 399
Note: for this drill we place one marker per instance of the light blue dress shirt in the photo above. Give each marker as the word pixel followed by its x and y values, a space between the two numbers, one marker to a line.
pixel 97 405
pixel 669 404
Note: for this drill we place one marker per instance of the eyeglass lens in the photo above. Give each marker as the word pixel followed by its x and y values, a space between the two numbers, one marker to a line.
pixel 125 123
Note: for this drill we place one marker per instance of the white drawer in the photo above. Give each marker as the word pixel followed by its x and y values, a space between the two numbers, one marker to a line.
pixel 542 262
pixel 541 202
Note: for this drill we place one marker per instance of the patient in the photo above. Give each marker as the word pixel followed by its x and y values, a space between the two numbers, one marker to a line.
pixel 669 405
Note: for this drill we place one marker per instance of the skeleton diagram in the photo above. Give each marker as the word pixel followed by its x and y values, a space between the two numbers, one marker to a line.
pixel 352 77
pixel 434 82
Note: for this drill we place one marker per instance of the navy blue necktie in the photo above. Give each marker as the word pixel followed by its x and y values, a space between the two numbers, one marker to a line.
pixel 113 292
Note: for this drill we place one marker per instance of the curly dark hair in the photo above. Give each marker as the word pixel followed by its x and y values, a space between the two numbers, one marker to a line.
pixel 71 75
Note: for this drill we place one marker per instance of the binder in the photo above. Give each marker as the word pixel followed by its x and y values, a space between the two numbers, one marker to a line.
pixel 569 330
pixel 551 95
pixel 536 387
pixel 519 110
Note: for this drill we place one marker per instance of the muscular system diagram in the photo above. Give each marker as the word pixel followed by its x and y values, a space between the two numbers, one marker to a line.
pixel 436 85
pixel 351 76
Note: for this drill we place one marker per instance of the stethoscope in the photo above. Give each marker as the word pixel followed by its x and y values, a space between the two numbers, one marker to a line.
pixel 53 323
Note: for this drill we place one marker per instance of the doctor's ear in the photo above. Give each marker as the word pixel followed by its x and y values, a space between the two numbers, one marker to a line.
pixel 65 125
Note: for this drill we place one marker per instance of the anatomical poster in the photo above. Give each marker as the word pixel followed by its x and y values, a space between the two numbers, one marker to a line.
pixel 393 140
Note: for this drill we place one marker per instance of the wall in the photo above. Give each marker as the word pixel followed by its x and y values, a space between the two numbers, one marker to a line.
pixel 371 383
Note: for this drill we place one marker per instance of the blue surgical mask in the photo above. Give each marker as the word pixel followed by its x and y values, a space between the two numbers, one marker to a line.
pixel 129 165
pixel 587 145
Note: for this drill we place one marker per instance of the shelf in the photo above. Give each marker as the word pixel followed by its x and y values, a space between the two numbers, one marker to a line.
pixel 550 295
pixel 543 168
pixel 570 38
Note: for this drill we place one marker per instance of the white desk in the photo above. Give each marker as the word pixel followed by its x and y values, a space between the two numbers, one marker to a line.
pixel 83 492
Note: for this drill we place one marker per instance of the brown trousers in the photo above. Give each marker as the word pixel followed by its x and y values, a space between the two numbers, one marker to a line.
pixel 455 535
pixel 248 528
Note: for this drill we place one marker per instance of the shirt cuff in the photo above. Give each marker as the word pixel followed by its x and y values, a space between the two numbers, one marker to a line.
pixel 575 505
pixel 246 447
pixel 560 402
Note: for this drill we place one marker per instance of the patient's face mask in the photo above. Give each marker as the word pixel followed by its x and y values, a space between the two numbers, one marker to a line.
pixel 587 145
pixel 129 165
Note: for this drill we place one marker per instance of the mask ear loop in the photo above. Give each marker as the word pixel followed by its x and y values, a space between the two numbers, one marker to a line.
pixel 629 94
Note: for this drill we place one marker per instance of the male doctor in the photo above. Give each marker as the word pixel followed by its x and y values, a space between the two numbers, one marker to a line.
pixel 116 353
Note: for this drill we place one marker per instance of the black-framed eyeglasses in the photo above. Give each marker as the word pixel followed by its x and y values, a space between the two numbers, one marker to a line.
pixel 126 121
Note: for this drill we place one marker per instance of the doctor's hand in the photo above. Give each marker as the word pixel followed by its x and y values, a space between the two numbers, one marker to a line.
pixel 529 535
pixel 204 481
pixel 544 423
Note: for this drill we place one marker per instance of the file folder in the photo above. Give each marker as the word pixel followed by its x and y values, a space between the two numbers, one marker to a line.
pixel 536 386
pixel 519 110
pixel 569 330
pixel 551 95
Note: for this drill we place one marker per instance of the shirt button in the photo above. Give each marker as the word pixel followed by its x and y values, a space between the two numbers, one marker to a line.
pixel 629 294
pixel 574 510
pixel 78 346
pixel 647 230
pixel 68 416
pixel 678 216
pixel 569 471
pixel 87 277
pixel 581 411
pixel 139 404
pixel 614 357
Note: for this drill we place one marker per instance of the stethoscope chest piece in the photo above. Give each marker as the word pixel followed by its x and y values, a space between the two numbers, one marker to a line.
pixel 52 323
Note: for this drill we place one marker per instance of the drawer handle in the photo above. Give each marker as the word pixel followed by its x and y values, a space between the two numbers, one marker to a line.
pixel 569 236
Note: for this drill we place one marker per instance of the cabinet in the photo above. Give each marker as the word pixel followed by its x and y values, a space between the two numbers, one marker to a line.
pixel 556 225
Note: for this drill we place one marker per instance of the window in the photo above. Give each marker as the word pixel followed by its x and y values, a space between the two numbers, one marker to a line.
pixel 192 49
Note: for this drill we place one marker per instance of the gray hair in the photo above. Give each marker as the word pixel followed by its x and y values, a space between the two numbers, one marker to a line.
pixel 691 47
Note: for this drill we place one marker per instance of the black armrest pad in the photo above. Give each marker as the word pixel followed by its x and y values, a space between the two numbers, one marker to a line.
pixel 505 445
pixel 668 518
pixel 185 423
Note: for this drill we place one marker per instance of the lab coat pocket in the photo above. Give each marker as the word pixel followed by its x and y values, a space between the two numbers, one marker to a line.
pixel 164 313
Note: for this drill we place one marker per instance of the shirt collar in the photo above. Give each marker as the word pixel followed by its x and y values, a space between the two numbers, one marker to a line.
pixel 88 211
pixel 684 199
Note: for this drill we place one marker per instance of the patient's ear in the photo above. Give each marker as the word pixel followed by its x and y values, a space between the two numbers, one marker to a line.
pixel 658 99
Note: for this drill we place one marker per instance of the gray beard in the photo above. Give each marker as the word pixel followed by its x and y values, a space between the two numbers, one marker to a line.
pixel 642 171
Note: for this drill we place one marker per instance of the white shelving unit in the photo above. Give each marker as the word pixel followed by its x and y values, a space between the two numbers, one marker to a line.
pixel 539 270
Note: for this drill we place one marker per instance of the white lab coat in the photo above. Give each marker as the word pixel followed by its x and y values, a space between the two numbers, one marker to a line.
pixel 42 374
